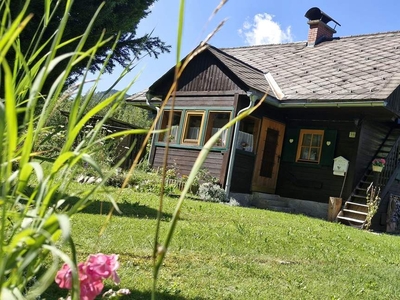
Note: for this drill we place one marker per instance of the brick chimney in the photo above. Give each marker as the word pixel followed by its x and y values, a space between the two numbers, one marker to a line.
pixel 319 29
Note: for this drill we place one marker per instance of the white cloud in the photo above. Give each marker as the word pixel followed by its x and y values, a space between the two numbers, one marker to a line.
pixel 263 30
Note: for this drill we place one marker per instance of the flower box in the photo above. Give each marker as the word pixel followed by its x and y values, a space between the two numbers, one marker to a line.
pixel 377 168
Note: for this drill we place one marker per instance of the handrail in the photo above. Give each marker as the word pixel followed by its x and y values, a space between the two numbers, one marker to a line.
pixel 391 167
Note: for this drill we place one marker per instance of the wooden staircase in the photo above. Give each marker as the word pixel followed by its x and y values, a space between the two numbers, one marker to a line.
pixel 355 209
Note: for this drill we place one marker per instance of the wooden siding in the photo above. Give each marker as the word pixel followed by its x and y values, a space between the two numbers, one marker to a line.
pixel 199 101
pixel 242 172
pixel 204 73
pixel 393 101
pixel 184 160
pixel 317 183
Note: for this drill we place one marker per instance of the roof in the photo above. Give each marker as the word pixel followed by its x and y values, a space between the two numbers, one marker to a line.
pixel 363 67
pixel 250 75
pixel 139 99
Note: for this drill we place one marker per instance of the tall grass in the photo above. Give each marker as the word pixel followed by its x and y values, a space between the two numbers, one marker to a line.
pixel 32 223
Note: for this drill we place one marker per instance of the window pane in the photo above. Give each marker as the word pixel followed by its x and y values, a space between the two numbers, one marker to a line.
pixel 311 145
pixel 316 140
pixel 314 154
pixel 304 153
pixel 176 119
pixel 193 128
pixel 247 134
pixel 307 140
pixel 217 120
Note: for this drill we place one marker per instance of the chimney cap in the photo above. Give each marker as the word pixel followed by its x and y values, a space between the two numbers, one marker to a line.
pixel 315 13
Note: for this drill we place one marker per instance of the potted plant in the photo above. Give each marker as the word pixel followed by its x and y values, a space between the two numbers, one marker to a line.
pixel 378 164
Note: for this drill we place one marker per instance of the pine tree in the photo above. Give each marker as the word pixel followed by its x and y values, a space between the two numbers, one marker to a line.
pixel 117 16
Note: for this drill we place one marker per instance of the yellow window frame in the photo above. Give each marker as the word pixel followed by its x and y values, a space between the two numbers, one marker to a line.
pixel 186 139
pixel 308 152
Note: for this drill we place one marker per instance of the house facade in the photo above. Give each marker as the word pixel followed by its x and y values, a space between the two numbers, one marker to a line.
pixel 328 97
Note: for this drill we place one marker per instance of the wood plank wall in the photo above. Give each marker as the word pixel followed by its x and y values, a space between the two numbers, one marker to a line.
pixel 183 160
pixel 201 101
pixel 204 73
pixel 393 101
pixel 317 183
pixel 242 172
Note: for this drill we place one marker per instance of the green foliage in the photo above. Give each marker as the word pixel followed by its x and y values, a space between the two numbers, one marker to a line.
pixel 118 18
pixel 209 191
pixel 126 112
pixel 32 221
pixel 373 200
pixel 281 256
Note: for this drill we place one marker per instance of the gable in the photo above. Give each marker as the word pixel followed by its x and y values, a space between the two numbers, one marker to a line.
pixel 203 73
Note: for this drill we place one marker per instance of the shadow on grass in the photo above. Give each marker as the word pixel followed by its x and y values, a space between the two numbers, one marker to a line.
pixel 135 210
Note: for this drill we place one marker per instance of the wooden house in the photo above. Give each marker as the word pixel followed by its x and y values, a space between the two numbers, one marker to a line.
pixel 328 97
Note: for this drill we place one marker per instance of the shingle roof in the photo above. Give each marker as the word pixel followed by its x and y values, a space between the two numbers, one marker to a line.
pixel 363 67
pixel 251 76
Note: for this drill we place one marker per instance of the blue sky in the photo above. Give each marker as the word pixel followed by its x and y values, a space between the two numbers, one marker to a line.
pixel 249 22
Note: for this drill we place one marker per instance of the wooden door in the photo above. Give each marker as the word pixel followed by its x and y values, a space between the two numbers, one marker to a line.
pixel 268 156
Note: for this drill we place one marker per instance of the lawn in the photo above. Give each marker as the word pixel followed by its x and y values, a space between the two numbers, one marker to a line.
pixel 225 252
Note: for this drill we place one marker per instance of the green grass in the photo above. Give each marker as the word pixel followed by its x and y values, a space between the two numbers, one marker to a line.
pixel 223 252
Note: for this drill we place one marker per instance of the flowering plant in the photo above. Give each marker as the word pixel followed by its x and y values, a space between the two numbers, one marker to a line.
pixel 91 273
pixel 378 162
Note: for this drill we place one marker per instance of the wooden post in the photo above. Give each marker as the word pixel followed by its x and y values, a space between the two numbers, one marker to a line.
pixel 335 204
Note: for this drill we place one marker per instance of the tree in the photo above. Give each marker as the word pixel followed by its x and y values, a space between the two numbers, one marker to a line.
pixel 116 17
pixel 125 112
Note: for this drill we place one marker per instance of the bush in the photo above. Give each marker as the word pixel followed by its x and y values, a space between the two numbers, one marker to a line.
pixel 212 192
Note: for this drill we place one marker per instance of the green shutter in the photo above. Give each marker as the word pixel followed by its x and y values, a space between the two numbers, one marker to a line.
pixel 328 151
pixel 290 142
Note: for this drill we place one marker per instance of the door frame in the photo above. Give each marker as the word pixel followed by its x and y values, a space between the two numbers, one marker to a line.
pixel 262 183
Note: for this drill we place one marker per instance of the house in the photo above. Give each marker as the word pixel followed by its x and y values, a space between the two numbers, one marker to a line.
pixel 328 97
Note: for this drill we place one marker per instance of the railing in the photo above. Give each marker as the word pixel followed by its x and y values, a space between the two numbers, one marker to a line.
pixel 391 167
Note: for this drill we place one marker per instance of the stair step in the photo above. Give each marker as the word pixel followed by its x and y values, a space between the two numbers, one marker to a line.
pixel 353 214
pixel 358 196
pixel 365 182
pixel 356 206
pixel 350 220
pixel 355 211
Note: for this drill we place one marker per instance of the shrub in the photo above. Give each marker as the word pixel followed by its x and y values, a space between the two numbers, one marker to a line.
pixel 212 192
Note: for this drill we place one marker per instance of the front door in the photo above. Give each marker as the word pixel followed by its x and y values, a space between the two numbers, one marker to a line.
pixel 268 156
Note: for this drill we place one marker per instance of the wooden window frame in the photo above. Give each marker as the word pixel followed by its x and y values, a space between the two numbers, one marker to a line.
pixel 197 141
pixel 208 129
pixel 164 124
pixel 303 132
pixel 256 131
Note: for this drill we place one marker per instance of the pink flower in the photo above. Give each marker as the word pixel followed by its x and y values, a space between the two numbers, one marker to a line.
pixel 90 288
pixel 91 275
pixel 103 266
pixel 64 277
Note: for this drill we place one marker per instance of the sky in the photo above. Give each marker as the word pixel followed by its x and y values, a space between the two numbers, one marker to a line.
pixel 248 22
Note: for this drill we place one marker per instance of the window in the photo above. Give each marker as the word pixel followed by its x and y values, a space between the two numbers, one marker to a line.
pixel 310 146
pixel 247 134
pixel 192 128
pixel 217 120
pixel 176 119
